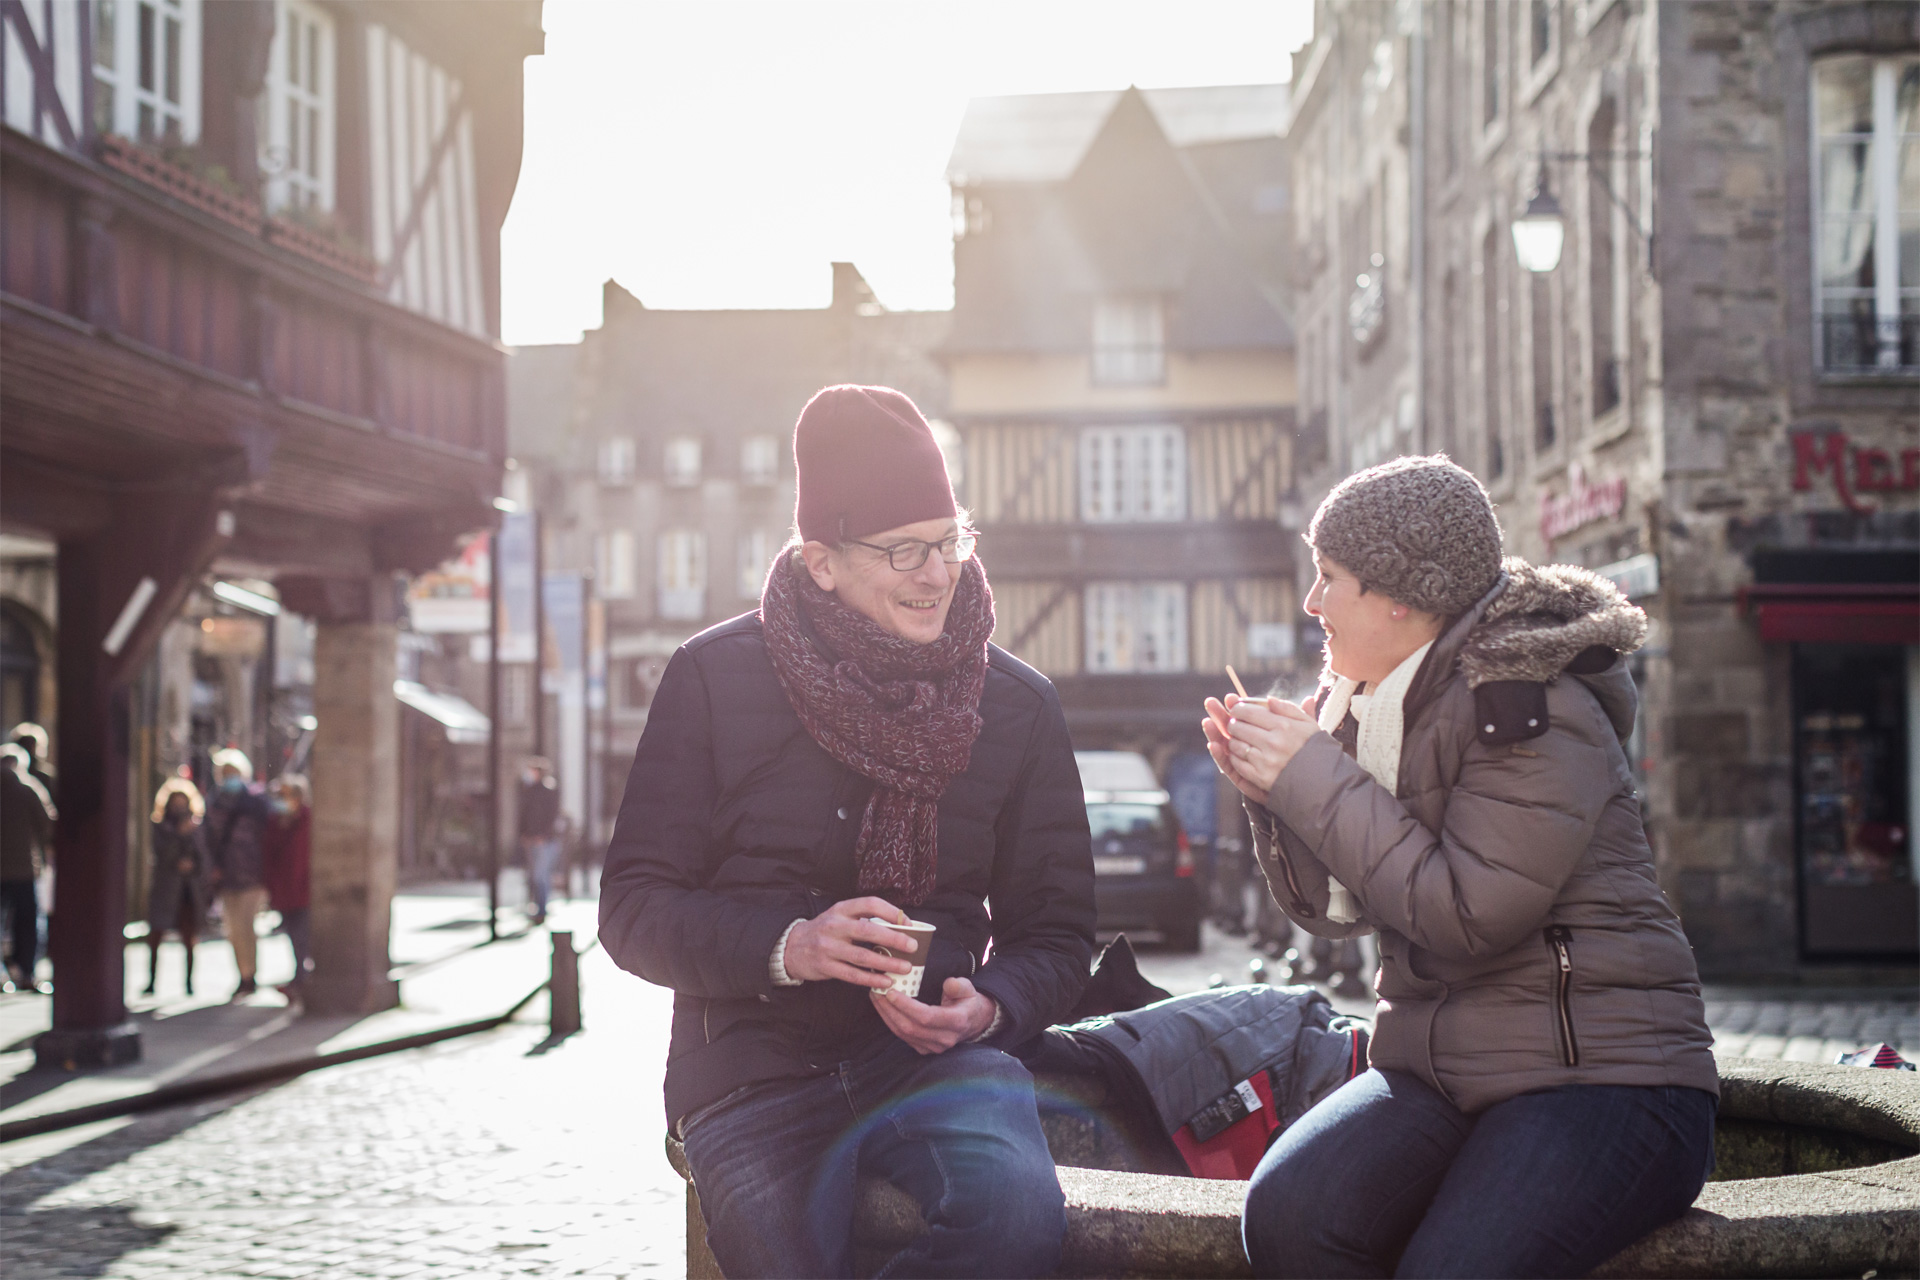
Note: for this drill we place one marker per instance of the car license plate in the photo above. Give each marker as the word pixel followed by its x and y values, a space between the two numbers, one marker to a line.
pixel 1122 865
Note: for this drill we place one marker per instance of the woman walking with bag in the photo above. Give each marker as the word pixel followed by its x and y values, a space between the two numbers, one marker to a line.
pixel 1543 1087
pixel 178 891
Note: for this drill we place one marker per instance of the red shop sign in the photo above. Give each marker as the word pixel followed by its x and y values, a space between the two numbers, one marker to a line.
pixel 1854 469
pixel 1582 504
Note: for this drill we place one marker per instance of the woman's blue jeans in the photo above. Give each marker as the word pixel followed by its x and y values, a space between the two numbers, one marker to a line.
pixel 1385 1177
pixel 775 1165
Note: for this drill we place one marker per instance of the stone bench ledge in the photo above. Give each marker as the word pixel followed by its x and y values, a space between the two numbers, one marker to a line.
pixel 1843 1222
pixel 1836 1222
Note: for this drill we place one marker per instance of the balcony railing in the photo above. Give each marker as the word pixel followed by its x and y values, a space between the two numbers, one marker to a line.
pixel 1852 343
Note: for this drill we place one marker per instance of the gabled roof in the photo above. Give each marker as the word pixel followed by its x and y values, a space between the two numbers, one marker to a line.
pixel 1042 137
pixel 1137 214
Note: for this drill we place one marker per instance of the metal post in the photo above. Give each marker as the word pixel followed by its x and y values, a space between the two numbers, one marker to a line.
pixel 563 991
pixel 492 824
pixel 539 637
pixel 587 808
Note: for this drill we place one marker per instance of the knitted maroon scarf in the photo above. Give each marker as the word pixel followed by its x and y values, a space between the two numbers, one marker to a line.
pixel 901 713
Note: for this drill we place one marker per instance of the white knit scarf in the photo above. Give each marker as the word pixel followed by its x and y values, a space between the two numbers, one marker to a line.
pixel 1383 722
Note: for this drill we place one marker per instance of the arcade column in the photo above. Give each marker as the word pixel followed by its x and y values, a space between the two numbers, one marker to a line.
pixel 356 792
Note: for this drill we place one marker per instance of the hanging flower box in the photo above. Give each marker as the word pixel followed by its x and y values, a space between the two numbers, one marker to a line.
pixel 180 182
pixel 322 248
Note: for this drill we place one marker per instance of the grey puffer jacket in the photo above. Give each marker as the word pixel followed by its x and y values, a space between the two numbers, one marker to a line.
pixel 1524 941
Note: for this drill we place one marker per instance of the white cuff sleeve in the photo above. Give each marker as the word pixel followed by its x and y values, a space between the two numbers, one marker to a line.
pixel 777 962
pixel 999 1021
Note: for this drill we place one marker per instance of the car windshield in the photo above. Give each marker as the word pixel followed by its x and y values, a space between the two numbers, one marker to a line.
pixel 1126 820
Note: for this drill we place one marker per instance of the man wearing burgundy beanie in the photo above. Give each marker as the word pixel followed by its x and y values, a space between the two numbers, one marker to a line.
pixel 854 754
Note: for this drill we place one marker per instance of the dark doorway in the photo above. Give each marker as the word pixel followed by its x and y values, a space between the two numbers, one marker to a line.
pixel 1858 899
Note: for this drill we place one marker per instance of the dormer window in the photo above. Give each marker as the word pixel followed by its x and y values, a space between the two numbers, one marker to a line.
pixel 1129 342
pixel 146 69
pixel 683 462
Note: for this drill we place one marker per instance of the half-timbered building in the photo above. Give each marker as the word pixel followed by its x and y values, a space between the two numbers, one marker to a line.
pixel 249 315
pixel 1121 368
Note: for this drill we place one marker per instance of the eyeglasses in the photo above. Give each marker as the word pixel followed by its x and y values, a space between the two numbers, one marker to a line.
pixel 905 557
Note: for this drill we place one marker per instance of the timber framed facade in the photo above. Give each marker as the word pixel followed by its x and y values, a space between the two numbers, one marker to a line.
pixel 1121 365
pixel 249 307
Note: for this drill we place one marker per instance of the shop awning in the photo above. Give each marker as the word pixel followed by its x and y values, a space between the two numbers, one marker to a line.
pixel 1835 613
pixel 465 723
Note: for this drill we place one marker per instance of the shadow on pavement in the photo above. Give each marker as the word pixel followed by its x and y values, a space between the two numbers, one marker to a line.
pixel 551 1043
pixel 75 1242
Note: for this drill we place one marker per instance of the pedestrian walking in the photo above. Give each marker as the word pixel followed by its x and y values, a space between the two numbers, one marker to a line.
pixel 178 889
pixel 288 869
pixel 237 817
pixel 851 757
pixel 541 828
pixel 1543 1087
pixel 27 816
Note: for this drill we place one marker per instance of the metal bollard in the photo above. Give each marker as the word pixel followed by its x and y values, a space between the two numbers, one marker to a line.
pixel 563 991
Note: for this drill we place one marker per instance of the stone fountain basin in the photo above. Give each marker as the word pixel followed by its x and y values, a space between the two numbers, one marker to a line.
pixel 1819 1175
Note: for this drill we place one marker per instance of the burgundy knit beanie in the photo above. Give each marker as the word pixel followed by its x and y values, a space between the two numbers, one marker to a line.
pixel 865 461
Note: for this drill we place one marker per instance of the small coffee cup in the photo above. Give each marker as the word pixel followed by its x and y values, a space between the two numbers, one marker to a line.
pixel 908 983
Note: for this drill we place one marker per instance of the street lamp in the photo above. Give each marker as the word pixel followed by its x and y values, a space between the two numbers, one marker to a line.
pixel 1540 231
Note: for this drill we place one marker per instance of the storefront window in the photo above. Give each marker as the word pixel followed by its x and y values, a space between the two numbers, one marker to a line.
pixel 1856 865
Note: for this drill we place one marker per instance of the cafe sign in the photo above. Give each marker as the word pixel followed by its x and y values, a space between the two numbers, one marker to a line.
pixel 1583 503
pixel 1852 469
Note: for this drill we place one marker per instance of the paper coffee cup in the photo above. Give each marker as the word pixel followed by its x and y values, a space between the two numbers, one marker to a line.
pixel 908 983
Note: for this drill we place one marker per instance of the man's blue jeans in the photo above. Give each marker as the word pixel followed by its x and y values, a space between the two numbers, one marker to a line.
pixel 775 1165
pixel 543 856
pixel 1385 1177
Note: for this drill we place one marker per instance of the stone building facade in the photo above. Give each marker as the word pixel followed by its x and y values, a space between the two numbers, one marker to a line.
pixel 1713 396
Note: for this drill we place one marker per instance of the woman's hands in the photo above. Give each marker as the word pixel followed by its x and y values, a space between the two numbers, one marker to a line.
pixel 1252 739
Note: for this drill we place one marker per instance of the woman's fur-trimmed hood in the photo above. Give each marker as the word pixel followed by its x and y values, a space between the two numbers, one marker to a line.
pixel 1545 617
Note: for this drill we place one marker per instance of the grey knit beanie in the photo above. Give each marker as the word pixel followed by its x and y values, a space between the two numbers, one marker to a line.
pixel 1421 530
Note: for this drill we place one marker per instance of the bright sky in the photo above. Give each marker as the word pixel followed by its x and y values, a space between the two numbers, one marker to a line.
pixel 720 153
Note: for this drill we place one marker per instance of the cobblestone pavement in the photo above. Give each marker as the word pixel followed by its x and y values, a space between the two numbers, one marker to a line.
pixel 498 1155
pixel 486 1156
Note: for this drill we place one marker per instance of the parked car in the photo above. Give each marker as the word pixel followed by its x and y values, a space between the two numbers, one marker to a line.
pixel 1142 864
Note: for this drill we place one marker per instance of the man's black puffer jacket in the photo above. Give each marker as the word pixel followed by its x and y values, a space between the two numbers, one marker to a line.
pixel 736 823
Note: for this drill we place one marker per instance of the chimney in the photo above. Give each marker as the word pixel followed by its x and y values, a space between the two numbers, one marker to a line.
pixel 851 291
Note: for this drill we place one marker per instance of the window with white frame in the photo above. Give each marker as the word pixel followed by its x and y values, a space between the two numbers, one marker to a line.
pixel 614 564
pixel 616 460
pixel 1129 342
pixel 1867 212
pixel 1136 627
pixel 146 69
pixel 683 574
pixel 1133 473
pixel 759 460
pixel 754 557
pixel 296 111
pixel 683 461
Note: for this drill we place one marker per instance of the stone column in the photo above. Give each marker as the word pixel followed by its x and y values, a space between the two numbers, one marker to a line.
pixel 356 814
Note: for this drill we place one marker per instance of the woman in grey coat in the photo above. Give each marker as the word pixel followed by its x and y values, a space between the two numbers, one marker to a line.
pixel 177 895
pixel 1543 1087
